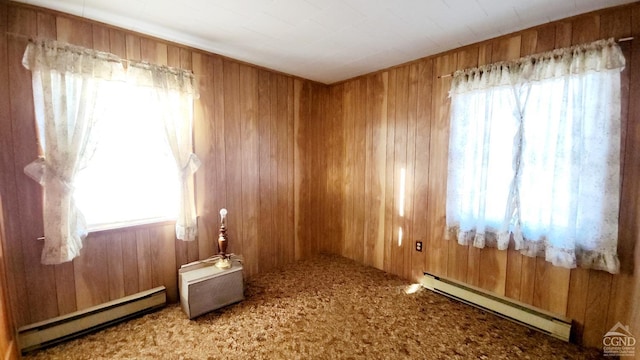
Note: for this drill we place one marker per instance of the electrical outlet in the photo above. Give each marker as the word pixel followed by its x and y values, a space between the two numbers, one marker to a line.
pixel 419 246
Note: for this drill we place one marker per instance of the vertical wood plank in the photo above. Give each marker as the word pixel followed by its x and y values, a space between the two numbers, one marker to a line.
pixel 8 337
pixel 250 168
pixel 421 182
pixel 281 171
pixel 410 163
pixel 75 31
pixel 115 267
pixel 265 248
pixel 164 260
pixel 233 163
pixel 349 163
pixel 576 302
pixel 399 229
pixel 143 250
pixel 298 176
pixel 130 262
pixel 336 172
pixel 322 162
pixel 551 287
pixel 595 324
pixel 290 220
pixel 218 191
pixel 309 181
pixel 39 279
pixel 546 38
pixel 376 164
pixel 92 281
pixel 16 282
pixel 46 24
pixel 563 34
pixel 439 149
pixel 359 142
pixel 390 177
pixel 585 29
pixel 615 23
pixel 369 212
pixel 528 42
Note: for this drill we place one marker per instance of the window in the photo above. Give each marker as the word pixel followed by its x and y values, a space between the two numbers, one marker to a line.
pixel 534 156
pixel 131 165
pixel 116 143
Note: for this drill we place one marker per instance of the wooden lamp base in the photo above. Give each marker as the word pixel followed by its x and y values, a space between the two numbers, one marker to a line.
pixel 224 262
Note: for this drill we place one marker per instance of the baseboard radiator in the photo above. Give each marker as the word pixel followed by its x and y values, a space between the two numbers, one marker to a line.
pixel 69 326
pixel 524 314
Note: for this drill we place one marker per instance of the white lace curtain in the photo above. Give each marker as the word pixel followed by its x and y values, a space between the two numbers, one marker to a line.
pixel 534 155
pixel 67 82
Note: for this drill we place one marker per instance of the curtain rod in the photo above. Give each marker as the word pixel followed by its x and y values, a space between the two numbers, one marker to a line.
pixel 619 40
pixel 439 76
pixel 117 59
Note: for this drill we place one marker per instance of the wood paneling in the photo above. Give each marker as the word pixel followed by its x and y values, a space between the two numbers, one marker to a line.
pixel 375 176
pixel 250 132
pixel 40 280
pixel 15 263
pixel 417 141
pixel 8 338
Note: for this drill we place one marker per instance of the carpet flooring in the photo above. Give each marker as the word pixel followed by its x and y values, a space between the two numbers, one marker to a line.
pixel 328 307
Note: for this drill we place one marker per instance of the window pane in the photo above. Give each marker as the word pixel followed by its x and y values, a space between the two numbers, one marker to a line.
pixel 567 166
pixel 480 163
pixel 132 175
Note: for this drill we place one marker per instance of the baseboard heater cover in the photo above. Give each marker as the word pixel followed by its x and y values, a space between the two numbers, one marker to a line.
pixel 69 326
pixel 524 314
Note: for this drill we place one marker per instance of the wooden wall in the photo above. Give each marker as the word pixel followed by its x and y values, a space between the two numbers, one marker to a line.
pixel 8 343
pixel 250 126
pixel 397 120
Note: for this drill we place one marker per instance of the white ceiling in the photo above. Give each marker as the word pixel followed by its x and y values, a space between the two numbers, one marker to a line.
pixel 325 40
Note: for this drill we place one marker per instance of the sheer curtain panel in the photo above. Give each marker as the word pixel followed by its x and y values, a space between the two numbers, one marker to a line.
pixel 534 155
pixel 175 90
pixel 66 82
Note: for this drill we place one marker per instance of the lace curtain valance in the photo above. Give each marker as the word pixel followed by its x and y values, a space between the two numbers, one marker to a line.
pixel 598 56
pixel 51 55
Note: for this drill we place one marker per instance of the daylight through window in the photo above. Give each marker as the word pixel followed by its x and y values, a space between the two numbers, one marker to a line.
pixel 534 156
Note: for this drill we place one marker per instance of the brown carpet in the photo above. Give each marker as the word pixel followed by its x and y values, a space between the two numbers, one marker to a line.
pixel 325 308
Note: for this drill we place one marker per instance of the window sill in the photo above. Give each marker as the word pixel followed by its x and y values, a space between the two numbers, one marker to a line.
pixel 130 225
